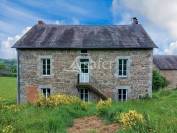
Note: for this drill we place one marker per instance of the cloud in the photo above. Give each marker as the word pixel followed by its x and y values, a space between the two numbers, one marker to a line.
pixel 172 49
pixel 162 13
pixel 74 21
pixel 5 49
pixel 157 16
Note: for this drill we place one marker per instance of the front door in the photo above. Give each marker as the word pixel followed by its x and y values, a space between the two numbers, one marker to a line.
pixel 84 71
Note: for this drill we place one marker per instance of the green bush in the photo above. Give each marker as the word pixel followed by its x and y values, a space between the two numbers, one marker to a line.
pixel 158 81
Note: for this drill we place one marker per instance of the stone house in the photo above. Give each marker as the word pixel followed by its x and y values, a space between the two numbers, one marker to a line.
pixel 167 65
pixel 92 62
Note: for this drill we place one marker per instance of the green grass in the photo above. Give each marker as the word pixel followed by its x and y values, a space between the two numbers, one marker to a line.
pixel 161 110
pixel 8 88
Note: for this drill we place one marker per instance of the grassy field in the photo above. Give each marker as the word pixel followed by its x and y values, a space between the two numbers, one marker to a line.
pixel 161 112
pixel 8 88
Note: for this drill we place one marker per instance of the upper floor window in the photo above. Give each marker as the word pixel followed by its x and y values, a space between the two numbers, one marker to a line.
pixel 46 66
pixel 46 92
pixel 123 65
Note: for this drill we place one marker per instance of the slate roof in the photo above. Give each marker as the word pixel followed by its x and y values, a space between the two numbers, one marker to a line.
pixel 83 36
pixel 165 62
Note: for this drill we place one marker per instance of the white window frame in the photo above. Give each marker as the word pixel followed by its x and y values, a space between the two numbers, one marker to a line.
pixel 46 94
pixel 123 68
pixel 46 66
pixel 127 66
pixel 122 99
pixel 84 94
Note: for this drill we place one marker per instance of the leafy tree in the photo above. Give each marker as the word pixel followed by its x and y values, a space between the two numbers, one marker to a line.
pixel 2 66
pixel 158 81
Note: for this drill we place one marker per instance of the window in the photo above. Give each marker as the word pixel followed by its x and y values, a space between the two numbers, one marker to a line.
pixel 83 51
pixel 123 67
pixel 122 94
pixel 46 92
pixel 84 94
pixel 46 66
pixel 84 65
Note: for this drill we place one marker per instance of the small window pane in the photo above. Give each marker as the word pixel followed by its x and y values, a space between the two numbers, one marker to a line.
pixel 122 94
pixel 124 91
pixel 83 51
pixel 44 72
pixel 124 72
pixel 86 97
pixel 125 67
pixel 46 92
pixel 120 72
pixel 125 61
pixel 84 60
pixel 120 61
pixel 44 61
pixel 84 94
pixel 124 97
pixel 48 72
pixel 48 61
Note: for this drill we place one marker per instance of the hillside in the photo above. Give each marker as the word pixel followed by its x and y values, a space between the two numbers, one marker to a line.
pixel 8 67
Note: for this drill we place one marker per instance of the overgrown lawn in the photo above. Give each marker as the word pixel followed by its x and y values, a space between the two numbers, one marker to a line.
pixel 161 111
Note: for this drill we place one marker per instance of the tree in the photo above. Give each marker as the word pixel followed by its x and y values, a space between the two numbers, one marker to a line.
pixel 158 81
pixel 2 66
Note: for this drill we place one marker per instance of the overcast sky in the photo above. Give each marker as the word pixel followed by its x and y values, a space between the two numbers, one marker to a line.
pixel 159 18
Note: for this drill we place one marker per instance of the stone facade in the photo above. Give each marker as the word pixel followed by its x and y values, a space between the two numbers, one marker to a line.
pixel 171 76
pixel 62 80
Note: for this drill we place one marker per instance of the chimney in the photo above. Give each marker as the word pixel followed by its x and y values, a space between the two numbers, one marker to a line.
pixel 134 20
pixel 40 22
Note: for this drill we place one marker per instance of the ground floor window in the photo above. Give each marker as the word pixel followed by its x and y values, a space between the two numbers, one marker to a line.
pixel 122 94
pixel 84 94
pixel 46 92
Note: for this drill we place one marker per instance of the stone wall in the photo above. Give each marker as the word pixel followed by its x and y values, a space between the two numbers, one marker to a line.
pixel 171 76
pixel 62 80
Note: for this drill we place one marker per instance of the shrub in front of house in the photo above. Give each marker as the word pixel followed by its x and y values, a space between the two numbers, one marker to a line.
pixel 60 99
pixel 158 81
pixel 103 106
pixel 130 119
pixel 133 121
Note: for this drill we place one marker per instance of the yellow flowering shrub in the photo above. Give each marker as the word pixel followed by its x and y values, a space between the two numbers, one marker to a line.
pixel 102 106
pixel 8 129
pixel 131 118
pixel 57 100
pixel 84 105
pixel 12 107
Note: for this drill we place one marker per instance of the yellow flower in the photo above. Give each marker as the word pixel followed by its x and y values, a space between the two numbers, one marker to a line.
pixel 103 105
pixel 131 118
pixel 57 100
pixel 12 107
pixel 8 129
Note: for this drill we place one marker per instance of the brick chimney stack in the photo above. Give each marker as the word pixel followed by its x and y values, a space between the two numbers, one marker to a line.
pixel 40 22
pixel 134 20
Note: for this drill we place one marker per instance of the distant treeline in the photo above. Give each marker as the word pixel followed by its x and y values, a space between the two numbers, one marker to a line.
pixel 8 67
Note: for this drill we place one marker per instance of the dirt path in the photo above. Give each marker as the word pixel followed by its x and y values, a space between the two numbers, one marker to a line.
pixel 92 124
